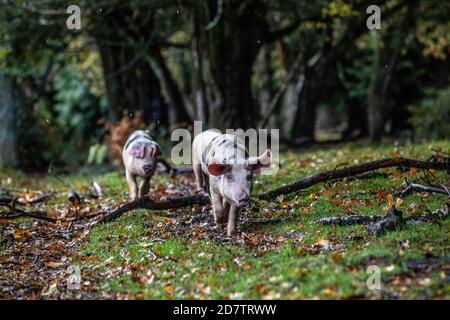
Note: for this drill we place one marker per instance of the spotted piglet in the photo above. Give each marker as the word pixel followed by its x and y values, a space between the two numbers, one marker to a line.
pixel 222 165
pixel 140 157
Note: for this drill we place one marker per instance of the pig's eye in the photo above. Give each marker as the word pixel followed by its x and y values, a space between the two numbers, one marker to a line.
pixel 249 177
pixel 230 177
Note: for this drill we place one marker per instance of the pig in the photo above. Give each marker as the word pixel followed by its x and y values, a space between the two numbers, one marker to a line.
pixel 221 164
pixel 140 157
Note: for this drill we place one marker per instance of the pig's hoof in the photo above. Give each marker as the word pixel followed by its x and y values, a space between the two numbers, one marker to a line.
pixel 219 226
pixel 199 190
pixel 231 233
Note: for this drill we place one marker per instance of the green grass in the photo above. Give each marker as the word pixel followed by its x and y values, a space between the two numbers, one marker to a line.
pixel 150 255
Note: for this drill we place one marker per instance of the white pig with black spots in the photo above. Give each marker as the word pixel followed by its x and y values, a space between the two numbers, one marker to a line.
pixel 140 157
pixel 221 164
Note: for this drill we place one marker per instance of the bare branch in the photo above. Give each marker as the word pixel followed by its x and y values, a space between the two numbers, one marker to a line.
pixel 352 171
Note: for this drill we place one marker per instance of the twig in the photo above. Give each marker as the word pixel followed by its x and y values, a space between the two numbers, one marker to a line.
pixel 98 189
pixel 422 188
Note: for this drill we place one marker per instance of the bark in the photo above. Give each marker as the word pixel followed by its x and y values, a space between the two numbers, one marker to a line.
pixel 391 221
pixel 264 74
pixel 307 99
pixel 202 79
pixel 177 111
pixel 224 57
pixel 21 138
pixel 9 106
pixel 357 120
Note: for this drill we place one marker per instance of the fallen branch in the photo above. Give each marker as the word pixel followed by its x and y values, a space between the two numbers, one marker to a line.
pixel 348 220
pixel 16 213
pixel 6 201
pixel 432 216
pixel 149 204
pixel 173 171
pixel 422 188
pixel 392 220
pixel 146 203
pixel 110 215
pixel 352 171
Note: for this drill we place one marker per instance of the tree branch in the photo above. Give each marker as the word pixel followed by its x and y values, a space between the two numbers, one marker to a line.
pixel 422 188
pixel 280 33
pixel 352 171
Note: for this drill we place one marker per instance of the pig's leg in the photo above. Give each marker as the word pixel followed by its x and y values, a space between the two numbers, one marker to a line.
pixel 132 185
pixel 198 176
pixel 226 209
pixel 144 187
pixel 216 203
pixel 232 220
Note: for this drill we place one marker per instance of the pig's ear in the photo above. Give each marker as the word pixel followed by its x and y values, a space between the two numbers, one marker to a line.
pixel 155 151
pixel 218 169
pixel 256 164
pixel 137 150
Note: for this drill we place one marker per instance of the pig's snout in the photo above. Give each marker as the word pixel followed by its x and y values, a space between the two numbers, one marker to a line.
pixel 243 199
pixel 147 168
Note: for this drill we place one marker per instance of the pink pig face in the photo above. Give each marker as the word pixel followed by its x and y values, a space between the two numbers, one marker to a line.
pixel 145 155
pixel 234 181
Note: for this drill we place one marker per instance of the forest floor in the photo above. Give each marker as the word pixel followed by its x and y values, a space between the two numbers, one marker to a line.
pixel 280 252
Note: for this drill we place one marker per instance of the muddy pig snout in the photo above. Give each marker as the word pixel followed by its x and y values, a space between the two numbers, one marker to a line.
pixel 244 199
pixel 147 168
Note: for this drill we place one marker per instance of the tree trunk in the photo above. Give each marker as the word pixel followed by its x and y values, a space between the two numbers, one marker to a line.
pixel 131 83
pixel 356 118
pixel 382 79
pixel 230 45
pixel 177 111
pixel 305 115
pixel 21 138
pixel 264 75
pixel 9 106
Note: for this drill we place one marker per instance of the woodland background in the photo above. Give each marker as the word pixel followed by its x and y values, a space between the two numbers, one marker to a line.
pixel 311 68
